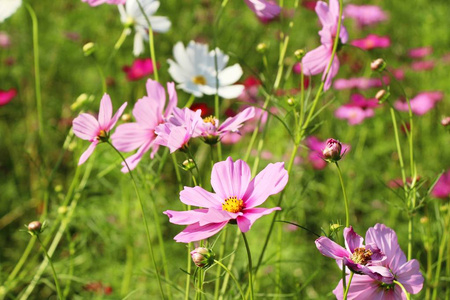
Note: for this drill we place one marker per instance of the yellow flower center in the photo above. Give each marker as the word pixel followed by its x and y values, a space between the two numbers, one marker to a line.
pixel 233 205
pixel 210 119
pixel 361 255
pixel 199 80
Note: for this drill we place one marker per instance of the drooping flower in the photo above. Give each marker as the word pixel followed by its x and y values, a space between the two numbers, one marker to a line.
pixel 421 103
pixel 195 72
pixel 98 2
pixel 87 127
pixel 7 96
pixel 131 15
pixel 140 68
pixel 442 187
pixel 372 41
pixel 357 110
pixel 365 15
pixel 420 52
pixel 8 8
pixel 316 61
pixel 395 266
pixel 149 113
pixel 265 10
pixel 235 199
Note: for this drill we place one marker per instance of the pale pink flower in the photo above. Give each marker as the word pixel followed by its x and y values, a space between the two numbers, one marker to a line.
pixel 87 127
pixel 140 68
pixel 372 41
pixel 365 15
pixel 357 110
pixel 423 65
pixel 98 2
pixel 420 52
pixel 5 40
pixel 149 113
pixel 357 83
pixel 235 199
pixel 421 103
pixel 442 187
pixel 7 96
pixel 265 10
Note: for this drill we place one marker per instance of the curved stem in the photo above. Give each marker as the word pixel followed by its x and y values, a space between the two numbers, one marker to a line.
pixel 403 289
pixel 232 276
pixel 250 276
pixel 347 222
pixel 348 286
pixel 55 277
pixel 144 218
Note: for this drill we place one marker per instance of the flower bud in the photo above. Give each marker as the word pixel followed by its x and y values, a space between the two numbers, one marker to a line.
pixel 261 47
pixel 188 164
pixel 445 121
pixel 202 257
pixel 88 48
pixel 424 220
pixel 382 95
pixel 35 227
pixel 299 53
pixel 332 152
pixel 290 101
pixel 126 117
pixel 378 65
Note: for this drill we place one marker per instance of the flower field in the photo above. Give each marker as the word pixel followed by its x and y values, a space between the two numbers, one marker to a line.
pixel 247 149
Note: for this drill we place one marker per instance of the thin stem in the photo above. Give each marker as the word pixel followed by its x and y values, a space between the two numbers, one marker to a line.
pixel 232 276
pixel 441 255
pixel 347 220
pixel 144 218
pixel 403 289
pixel 348 286
pixel 250 276
pixel 190 101
pixel 188 276
pixel 55 277
pixel 221 254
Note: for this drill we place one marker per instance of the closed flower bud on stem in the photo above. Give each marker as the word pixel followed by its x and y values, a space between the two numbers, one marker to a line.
pixel 202 257
pixel 382 95
pixel 35 228
pixel 332 152
pixel 126 117
pixel 378 65
pixel 291 101
pixel 445 121
pixel 299 53
pixel 88 48
pixel 188 164
pixel 261 47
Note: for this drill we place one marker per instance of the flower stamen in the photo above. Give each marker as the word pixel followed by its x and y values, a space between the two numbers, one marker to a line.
pixel 361 256
pixel 199 79
pixel 210 119
pixel 233 205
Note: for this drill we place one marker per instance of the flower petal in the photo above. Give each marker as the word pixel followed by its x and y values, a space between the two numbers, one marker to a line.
pixel 246 221
pixel 234 123
pixel 86 127
pixel 409 275
pixel 116 116
pixel 230 179
pixel 105 112
pixel 130 136
pixel 185 217
pixel 230 75
pixel 195 232
pixel 156 94
pixel 352 239
pixel 197 196
pixel 87 153
pixel 134 159
pixel 316 61
pixel 331 249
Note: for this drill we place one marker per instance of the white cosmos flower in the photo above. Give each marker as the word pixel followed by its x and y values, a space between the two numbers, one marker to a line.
pixel 131 14
pixel 194 69
pixel 8 8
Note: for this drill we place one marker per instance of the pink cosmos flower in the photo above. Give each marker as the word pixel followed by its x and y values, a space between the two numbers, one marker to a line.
pixel 87 127
pixel 315 156
pixel 395 266
pixel 316 61
pixel 7 96
pixel 235 199
pixel 265 10
pixel 98 2
pixel 357 110
pixel 5 41
pixel 139 69
pixel 372 41
pixel 365 15
pixel 357 83
pixel 420 52
pixel 149 113
pixel 424 65
pixel 421 103
pixel 355 255
pixel 442 187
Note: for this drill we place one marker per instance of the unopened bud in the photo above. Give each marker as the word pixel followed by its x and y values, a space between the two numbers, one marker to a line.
pixel 188 164
pixel 332 152
pixel 334 227
pixel 378 65
pixel 445 121
pixel 299 53
pixel 382 95
pixel 261 47
pixel 291 101
pixel 202 257
pixel 126 117
pixel 88 48
pixel 35 227
pixel 62 210
pixel 424 220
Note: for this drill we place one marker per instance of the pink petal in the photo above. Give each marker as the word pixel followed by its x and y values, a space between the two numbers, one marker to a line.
pixel 130 136
pixel 352 239
pixel 323 12
pixel 105 112
pixel 215 216
pixel 331 74
pixel 185 217
pixel 315 61
pixel 116 116
pixel 409 275
pixel 146 113
pixel 195 232
pixel 246 221
pixel 234 123
pixel 134 159
pixel 156 94
pixel 361 287
pixel 87 153
pixel 85 127
pixel 173 99
pixel 230 179
pixel 197 196
pixel 269 181
pixel 331 249
pixel 7 96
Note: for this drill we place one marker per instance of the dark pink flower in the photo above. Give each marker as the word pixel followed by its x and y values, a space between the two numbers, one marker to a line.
pixel 365 15
pixel 442 187
pixel 98 2
pixel 421 103
pixel 7 96
pixel 265 10
pixel 420 52
pixel 372 41
pixel 424 65
pixel 87 127
pixel 357 110
pixel 395 266
pixel 149 113
pixel 140 68
pixel 235 199
pixel 315 155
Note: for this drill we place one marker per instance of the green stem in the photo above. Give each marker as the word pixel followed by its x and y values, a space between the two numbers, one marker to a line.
pixel 344 276
pixel 190 101
pixel 403 289
pixel 441 255
pixel 102 76
pixel 55 277
pixel 232 276
pixel 188 276
pixel 221 254
pixel 347 220
pixel 250 267
pixel 348 286
pixel 121 39
pixel 144 218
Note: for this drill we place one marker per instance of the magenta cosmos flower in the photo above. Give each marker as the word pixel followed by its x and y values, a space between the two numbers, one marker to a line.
pixel 395 266
pixel 442 187
pixel 264 10
pixel 357 110
pixel 365 15
pixel 234 201
pixel 87 127
pixel 420 52
pixel 316 61
pixel 315 156
pixel 149 113
pixel 98 2
pixel 139 69
pixel 7 96
pixel 421 103
pixel 372 41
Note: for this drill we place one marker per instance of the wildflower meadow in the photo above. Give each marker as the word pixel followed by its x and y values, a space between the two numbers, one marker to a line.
pixel 219 149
